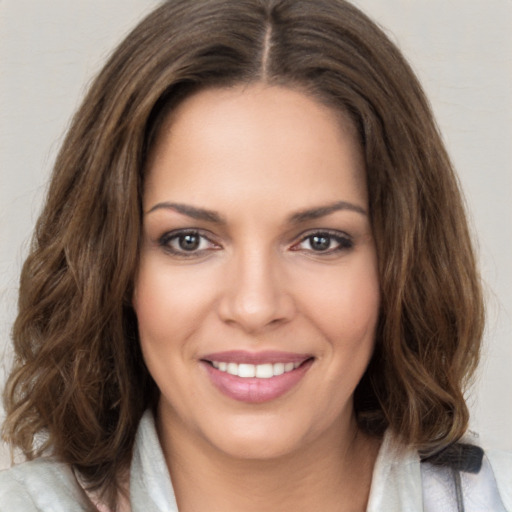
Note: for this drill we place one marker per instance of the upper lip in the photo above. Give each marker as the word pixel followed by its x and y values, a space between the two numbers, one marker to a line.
pixel 267 356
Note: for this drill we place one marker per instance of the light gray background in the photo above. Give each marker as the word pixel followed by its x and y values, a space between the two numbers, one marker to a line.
pixel 461 50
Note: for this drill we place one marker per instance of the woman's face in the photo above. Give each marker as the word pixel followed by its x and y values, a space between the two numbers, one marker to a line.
pixel 257 295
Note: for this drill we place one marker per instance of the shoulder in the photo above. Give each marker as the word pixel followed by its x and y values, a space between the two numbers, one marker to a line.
pixel 500 463
pixel 486 485
pixel 464 477
pixel 41 485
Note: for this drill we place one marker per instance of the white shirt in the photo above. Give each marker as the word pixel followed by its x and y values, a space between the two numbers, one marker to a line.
pixel 400 482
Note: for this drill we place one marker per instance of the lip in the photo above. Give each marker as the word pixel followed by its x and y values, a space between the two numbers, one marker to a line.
pixel 256 390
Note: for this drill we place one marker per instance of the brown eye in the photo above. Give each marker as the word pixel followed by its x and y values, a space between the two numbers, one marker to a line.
pixel 186 243
pixel 324 242
pixel 189 242
pixel 320 242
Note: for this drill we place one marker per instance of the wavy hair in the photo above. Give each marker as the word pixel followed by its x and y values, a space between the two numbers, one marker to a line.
pixel 79 377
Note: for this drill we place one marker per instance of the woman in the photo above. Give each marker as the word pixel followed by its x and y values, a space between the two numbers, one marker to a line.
pixel 252 284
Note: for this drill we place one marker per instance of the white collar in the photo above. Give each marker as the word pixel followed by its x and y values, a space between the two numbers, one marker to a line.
pixel 396 481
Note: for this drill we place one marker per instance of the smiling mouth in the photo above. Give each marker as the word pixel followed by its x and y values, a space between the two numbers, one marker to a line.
pixel 256 378
pixel 259 371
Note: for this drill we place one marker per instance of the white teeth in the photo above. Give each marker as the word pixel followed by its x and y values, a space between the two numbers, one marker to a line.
pixel 278 368
pixel 288 367
pixel 261 371
pixel 246 370
pixel 264 371
pixel 232 368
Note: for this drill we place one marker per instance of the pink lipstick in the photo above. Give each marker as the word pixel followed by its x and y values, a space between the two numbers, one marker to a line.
pixel 256 377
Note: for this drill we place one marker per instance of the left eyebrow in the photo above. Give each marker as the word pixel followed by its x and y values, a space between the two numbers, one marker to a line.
pixel 322 211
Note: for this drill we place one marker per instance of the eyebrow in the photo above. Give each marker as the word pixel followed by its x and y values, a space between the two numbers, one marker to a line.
pixel 190 211
pixel 296 218
pixel 322 211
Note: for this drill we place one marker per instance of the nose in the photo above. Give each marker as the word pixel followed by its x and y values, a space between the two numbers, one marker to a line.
pixel 255 295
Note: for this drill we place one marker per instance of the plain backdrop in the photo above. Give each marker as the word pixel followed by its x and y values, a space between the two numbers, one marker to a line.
pixel 461 50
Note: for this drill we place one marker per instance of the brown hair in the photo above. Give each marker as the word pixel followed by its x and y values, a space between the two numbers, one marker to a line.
pixel 79 376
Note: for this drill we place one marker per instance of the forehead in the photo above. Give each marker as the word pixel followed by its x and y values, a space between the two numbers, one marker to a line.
pixel 255 142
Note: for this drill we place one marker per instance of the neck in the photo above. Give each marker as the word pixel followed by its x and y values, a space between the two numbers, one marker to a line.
pixel 332 473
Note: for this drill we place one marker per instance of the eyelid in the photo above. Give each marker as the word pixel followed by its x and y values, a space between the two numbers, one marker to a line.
pixel 334 233
pixel 344 240
pixel 165 239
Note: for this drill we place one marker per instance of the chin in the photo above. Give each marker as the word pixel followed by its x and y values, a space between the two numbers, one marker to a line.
pixel 262 437
pixel 252 447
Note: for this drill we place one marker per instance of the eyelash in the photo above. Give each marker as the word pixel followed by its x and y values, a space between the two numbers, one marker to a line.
pixel 344 242
pixel 167 238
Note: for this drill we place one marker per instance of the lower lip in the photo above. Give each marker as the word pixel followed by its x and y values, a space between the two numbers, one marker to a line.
pixel 253 390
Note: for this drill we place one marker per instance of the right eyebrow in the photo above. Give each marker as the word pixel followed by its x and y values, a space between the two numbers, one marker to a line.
pixel 190 211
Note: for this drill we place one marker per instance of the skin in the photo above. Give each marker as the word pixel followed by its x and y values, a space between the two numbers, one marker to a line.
pixel 256 156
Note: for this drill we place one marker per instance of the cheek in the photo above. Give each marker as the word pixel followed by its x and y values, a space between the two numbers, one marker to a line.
pixel 345 302
pixel 153 306
pixel 166 313
pixel 167 303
